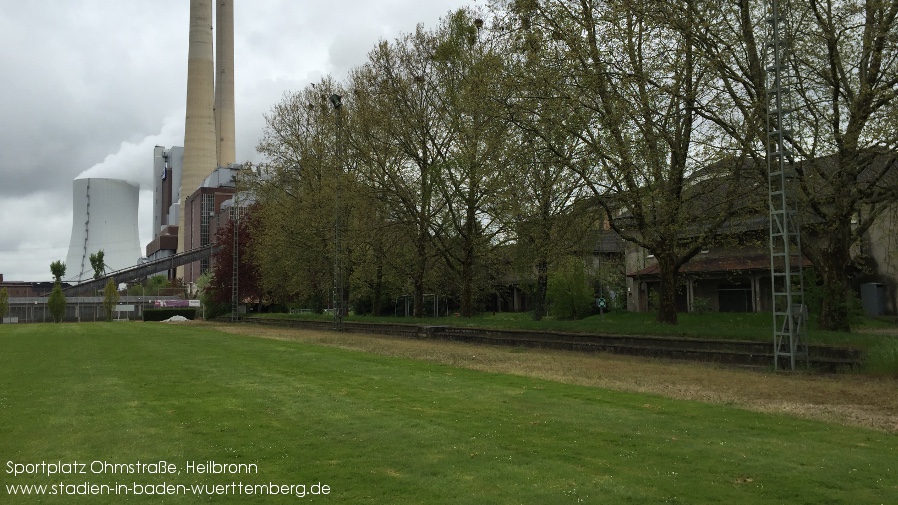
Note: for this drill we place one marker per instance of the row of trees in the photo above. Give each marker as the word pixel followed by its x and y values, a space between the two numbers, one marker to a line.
pixel 484 149
pixel 56 302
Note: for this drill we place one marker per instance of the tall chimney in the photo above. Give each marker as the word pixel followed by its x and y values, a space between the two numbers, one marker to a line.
pixel 200 143
pixel 224 82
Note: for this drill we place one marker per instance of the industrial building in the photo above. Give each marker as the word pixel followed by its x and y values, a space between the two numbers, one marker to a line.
pixel 203 215
pixel 192 182
pixel 209 124
pixel 167 167
pixel 187 180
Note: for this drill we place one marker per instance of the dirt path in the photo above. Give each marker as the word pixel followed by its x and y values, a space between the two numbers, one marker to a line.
pixel 845 399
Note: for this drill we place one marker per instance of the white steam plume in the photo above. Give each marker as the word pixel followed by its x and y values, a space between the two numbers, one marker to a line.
pixel 134 161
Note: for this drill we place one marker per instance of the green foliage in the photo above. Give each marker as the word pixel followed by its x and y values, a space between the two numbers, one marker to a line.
pixel 150 287
pixel 155 283
pixel 98 263
pixel 700 305
pixel 163 314
pixel 813 291
pixel 110 298
pixel 57 268
pixel 213 306
pixel 57 303
pixel 570 292
pixel 477 143
pixel 4 302
pixel 814 294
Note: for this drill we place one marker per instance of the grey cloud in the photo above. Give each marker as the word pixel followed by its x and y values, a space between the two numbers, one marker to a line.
pixel 88 85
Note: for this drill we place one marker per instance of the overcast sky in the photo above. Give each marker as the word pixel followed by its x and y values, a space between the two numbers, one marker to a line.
pixel 95 84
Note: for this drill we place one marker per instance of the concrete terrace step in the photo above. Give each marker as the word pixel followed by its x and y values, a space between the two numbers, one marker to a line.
pixel 734 352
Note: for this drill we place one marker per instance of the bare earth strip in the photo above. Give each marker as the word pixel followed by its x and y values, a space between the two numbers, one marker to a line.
pixel 845 399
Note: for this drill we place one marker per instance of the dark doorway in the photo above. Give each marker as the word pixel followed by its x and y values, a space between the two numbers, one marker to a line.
pixel 734 296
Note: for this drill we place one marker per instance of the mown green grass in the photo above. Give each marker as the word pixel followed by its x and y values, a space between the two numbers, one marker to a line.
pixel 387 430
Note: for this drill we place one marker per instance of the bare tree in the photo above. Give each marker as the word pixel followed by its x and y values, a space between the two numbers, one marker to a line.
pixel 631 91
pixel 546 225
pixel 400 141
pixel 844 139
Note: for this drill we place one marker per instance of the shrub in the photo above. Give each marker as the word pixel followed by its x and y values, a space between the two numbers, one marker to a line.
pixel 4 302
pixel 213 309
pixel 700 305
pixel 56 303
pixel 110 298
pixel 569 292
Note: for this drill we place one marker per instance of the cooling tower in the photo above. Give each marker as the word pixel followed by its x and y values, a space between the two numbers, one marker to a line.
pixel 200 144
pixel 224 82
pixel 104 217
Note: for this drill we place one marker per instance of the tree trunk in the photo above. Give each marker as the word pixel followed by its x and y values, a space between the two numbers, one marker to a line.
pixel 418 277
pixel 833 267
pixel 467 304
pixel 467 267
pixel 834 310
pixel 539 297
pixel 418 298
pixel 378 290
pixel 667 296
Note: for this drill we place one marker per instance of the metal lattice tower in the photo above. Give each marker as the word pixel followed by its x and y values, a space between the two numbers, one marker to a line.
pixel 789 310
pixel 339 252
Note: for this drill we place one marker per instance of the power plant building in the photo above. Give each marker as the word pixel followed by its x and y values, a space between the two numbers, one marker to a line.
pixel 193 181
pixel 188 180
pixel 203 215
pixel 167 167
pixel 203 142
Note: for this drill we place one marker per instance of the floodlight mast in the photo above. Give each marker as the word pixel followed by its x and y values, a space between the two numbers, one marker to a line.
pixel 339 260
pixel 786 275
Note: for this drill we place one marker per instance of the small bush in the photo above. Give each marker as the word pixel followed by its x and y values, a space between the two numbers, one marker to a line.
pixel 569 292
pixel 4 302
pixel 700 305
pixel 110 298
pixel 56 303
pixel 163 314
pixel 215 309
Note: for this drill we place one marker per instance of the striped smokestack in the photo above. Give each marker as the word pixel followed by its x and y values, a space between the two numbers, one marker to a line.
pixel 224 82
pixel 199 127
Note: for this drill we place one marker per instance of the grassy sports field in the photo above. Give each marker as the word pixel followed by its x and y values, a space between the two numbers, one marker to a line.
pixel 344 426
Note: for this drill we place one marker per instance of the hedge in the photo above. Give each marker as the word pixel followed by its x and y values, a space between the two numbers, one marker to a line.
pixel 163 314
